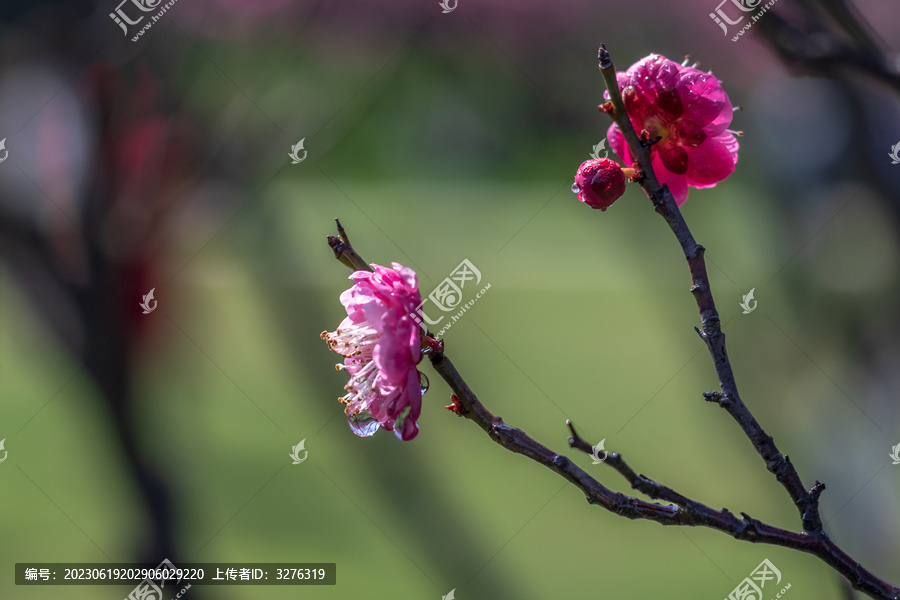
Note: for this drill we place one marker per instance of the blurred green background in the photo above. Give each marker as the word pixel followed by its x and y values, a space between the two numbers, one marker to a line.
pixel 435 138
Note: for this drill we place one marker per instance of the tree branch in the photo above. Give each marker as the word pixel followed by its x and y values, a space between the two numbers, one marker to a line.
pixel 711 329
pixel 809 42
pixel 681 510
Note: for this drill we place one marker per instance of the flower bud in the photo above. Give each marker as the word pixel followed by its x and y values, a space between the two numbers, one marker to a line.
pixel 599 182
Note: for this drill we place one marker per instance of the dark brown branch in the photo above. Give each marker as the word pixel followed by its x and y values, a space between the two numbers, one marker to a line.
pixel 518 441
pixel 807 501
pixel 751 529
pixel 681 511
pixel 711 330
pixel 640 483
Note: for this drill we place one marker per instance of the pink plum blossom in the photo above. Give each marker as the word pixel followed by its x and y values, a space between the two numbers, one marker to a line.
pixel 690 112
pixel 381 346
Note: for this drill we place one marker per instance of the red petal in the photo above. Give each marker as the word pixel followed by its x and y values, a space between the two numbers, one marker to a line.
pixel 674 157
pixel 689 133
pixel 669 102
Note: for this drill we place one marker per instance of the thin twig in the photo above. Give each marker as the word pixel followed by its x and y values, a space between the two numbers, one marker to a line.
pixel 344 252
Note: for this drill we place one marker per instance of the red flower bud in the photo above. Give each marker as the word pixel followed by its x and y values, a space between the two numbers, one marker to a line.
pixel 599 182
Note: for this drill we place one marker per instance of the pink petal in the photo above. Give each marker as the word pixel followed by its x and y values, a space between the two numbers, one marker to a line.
pixel 711 162
pixel 617 144
pixel 678 184
pixel 704 99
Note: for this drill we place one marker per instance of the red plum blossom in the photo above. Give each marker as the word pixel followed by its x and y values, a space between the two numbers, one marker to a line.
pixel 689 112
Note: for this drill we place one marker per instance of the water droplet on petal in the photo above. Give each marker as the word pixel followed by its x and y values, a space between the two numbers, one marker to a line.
pixel 363 423
pixel 423 383
pixel 400 422
pixel 576 189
